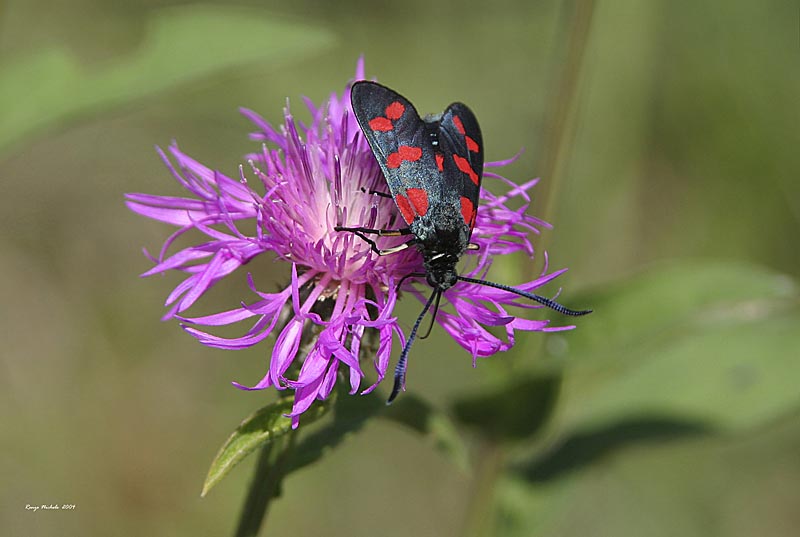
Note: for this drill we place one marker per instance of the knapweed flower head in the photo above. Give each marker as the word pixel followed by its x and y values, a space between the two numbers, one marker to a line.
pixel 306 180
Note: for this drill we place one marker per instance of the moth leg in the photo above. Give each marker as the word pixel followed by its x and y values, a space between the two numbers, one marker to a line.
pixel 398 248
pixel 381 194
pixel 407 276
pixel 360 231
pixel 379 232
pixel 374 247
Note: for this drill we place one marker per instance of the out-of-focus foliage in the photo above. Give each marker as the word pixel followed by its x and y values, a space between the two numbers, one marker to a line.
pixel 48 86
pixel 671 410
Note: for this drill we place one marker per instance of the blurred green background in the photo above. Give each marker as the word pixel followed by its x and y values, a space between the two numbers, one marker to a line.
pixel 666 135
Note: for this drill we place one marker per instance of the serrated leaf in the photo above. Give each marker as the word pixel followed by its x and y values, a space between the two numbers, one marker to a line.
pixel 181 44
pixel 264 425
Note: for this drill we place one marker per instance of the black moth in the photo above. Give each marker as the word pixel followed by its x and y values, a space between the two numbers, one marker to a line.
pixel 433 167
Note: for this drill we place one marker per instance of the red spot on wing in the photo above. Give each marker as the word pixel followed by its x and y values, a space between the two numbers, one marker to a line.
pixel 472 146
pixel 395 110
pixel 458 124
pixel 383 124
pixel 408 152
pixel 440 162
pixel 463 165
pixel 380 124
pixel 404 152
pixel 468 211
pixel 405 208
pixel 419 199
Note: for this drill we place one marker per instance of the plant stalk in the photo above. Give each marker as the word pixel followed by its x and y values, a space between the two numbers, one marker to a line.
pixel 265 484
pixel 479 520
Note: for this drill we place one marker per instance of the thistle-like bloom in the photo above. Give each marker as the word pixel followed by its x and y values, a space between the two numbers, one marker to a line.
pixel 306 180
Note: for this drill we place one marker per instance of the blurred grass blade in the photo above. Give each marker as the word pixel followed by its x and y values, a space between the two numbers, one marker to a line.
pixel 263 426
pixel 181 44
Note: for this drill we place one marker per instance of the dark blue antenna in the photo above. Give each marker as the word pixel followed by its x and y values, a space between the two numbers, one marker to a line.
pixel 400 370
pixel 552 304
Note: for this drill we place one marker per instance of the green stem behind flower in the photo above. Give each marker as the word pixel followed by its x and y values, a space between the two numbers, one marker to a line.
pixel 561 123
pixel 266 484
pixel 479 521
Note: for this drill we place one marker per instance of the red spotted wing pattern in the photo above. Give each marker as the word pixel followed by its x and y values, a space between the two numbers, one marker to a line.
pixel 462 158
pixel 425 161
pixel 399 140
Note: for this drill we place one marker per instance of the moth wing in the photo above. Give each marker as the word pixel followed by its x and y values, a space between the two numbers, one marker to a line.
pixel 401 142
pixel 461 146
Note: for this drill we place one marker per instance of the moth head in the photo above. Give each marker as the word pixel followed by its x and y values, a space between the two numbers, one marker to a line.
pixel 440 271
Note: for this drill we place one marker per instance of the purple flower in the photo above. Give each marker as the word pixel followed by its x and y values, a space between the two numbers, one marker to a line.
pixel 306 180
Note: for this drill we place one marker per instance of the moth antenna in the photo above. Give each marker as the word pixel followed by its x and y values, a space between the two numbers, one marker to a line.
pixel 400 369
pixel 433 316
pixel 552 304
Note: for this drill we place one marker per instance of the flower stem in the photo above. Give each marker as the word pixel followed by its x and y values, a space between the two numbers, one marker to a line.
pixel 266 484
pixel 479 520
pixel 479 517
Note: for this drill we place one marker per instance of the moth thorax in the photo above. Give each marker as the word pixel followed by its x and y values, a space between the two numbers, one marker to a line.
pixel 441 230
pixel 442 237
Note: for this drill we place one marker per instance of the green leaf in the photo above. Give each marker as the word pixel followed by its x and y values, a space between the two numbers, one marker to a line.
pixel 714 343
pixel 421 416
pixel 704 486
pixel 181 44
pixel 651 308
pixel 514 411
pixel 263 426
pixel 584 448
